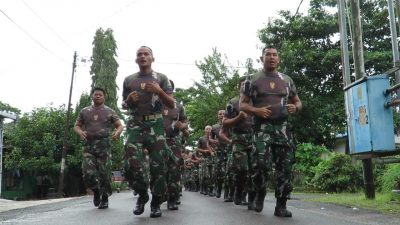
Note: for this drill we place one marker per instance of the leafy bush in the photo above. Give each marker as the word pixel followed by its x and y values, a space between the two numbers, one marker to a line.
pixel 119 186
pixel 308 156
pixel 337 174
pixel 391 178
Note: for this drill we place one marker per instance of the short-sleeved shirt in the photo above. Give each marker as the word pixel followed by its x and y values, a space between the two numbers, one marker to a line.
pixel 203 144
pixel 244 126
pixel 272 89
pixel 215 130
pixel 97 121
pixel 149 103
pixel 171 116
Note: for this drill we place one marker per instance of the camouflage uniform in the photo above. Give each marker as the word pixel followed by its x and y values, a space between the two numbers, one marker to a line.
pixel 228 181
pixel 242 140
pixel 195 174
pixel 205 167
pixel 270 139
pixel 145 130
pixel 96 163
pixel 174 141
pixel 220 165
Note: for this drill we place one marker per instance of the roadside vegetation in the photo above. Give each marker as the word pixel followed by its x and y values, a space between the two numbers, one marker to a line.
pixel 383 202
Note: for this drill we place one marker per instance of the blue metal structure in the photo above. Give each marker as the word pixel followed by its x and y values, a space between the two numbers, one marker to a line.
pixel 370 124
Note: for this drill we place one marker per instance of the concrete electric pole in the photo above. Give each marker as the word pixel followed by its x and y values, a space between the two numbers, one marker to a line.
pixel 64 150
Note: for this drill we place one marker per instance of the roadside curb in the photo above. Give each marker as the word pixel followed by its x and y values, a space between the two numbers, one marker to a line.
pixel 7 205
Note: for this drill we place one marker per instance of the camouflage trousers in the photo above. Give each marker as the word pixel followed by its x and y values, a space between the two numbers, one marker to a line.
pixel 146 137
pixel 228 175
pixel 174 165
pixel 206 171
pixel 241 159
pixel 271 158
pixel 220 165
pixel 194 178
pixel 96 165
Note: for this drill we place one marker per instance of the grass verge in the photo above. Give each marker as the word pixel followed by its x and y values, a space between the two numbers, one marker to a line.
pixel 382 202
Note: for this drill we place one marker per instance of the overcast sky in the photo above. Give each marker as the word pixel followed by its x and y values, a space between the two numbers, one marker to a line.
pixel 38 39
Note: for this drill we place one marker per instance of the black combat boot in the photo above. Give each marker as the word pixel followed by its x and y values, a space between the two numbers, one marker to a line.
pixel 219 190
pixel 171 203
pixel 244 200
pixel 201 189
pixel 251 196
pixel 96 197
pixel 237 196
pixel 104 202
pixel 280 208
pixel 141 202
pixel 259 200
pixel 178 200
pixel 155 207
pixel 211 191
pixel 229 194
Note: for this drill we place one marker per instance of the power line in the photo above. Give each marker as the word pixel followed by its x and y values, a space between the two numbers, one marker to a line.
pixel 31 37
pixel 176 63
pixel 121 9
pixel 47 25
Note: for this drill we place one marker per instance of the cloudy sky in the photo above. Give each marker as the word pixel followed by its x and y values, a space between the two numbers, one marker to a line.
pixel 39 37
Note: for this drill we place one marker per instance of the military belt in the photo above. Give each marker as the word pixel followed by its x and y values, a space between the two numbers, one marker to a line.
pixel 152 117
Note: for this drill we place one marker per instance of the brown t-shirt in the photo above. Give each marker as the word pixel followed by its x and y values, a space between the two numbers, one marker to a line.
pixel 149 103
pixel 97 121
pixel 171 116
pixel 272 90
pixel 246 125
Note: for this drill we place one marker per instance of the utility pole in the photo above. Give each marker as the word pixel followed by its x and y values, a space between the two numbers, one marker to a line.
pixel 344 45
pixel 397 6
pixel 395 48
pixel 64 150
pixel 358 55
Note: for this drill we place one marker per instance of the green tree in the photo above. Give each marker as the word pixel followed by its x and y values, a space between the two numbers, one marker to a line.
pixel 303 40
pixel 37 141
pixel 218 85
pixel 7 107
pixel 104 72
pixel 104 67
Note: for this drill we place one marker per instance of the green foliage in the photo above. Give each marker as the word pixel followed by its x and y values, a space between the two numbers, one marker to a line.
pixel 218 85
pixel 119 186
pixel 84 101
pixel 7 107
pixel 390 179
pixel 382 202
pixel 308 156
pixel 117 154
pixel 304 40
pixel 104 67
pixel 337 174
pixel 37 141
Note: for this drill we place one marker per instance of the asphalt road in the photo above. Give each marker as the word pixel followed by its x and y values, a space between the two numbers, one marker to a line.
pixel 195 209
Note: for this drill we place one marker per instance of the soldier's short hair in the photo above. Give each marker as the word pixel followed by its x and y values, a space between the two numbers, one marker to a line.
pixel 98 89
pixel 172 84
pixel 144 46
pixel 268 47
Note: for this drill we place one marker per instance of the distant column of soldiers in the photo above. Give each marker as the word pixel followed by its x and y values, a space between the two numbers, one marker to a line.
pixel 252 143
